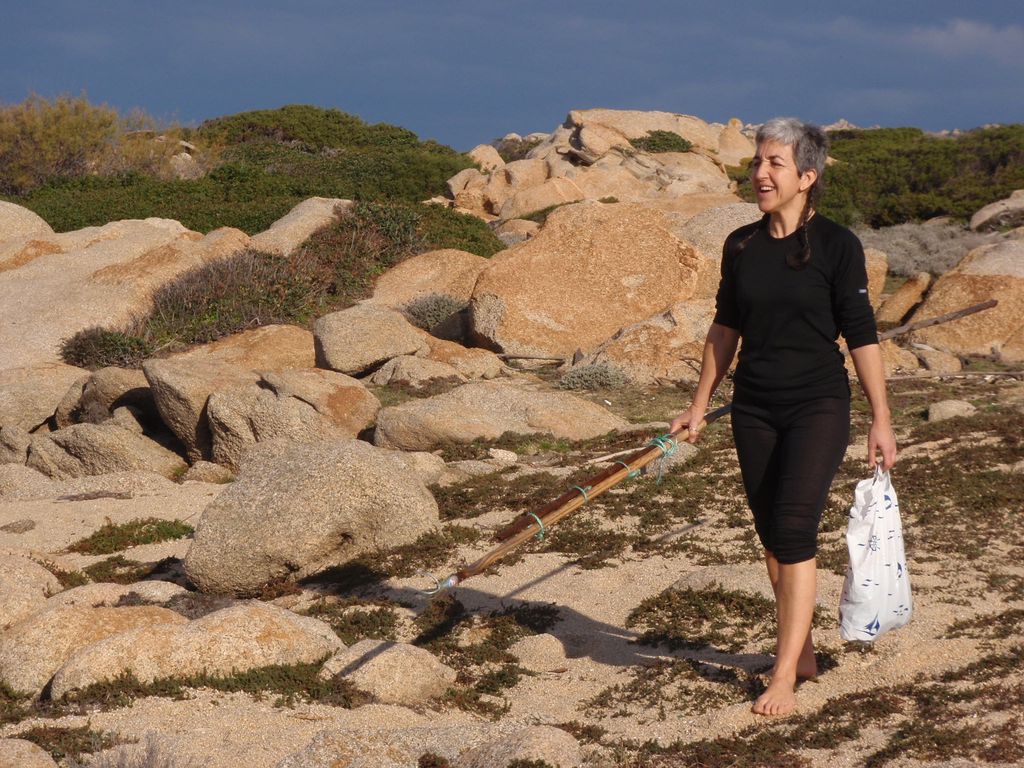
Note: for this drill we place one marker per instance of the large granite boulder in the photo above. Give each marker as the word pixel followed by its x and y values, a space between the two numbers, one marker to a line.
pixel 297 509
pixel 26 587
pixel 471 362
pixel 1002 214
pixel 34 649
pixel 294 228
pixel 593 268
pixel 18 222
pixel 989 272
pixel 30 395
pixel 486 410
pixel 224 642
pixel 102 392
pixel 663 349
pixel 707 232
pixel 99 449
pixel 300 406
pixel 358 339
pixel 181 385
pixel 904 299
pixel 448 272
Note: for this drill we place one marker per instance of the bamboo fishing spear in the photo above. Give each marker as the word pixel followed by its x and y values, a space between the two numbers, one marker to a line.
pixel 536 523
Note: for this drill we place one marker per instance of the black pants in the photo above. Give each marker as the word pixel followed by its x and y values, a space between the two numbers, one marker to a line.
pixel 789 455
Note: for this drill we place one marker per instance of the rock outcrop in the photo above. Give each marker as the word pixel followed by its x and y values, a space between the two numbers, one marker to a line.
pixel 591 157
pixel 99 449
pixel 26 587
pixel 358 339
pixel 486 410
pixel 30 395
pixel 1002 214
pixel 294 228
pixel 224 642
pixel 990 272
pixel 98 276
pixel 35 648
pixel 592 269
pixel 448 272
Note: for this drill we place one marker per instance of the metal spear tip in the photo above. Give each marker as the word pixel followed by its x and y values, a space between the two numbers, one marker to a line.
pixel 439 586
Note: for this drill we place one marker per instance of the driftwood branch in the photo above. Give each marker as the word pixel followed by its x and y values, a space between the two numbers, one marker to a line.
pixel 532 357
pixel 909 327
pixel 958 375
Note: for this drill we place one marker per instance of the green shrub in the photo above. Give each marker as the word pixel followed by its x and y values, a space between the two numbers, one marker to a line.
pixel 442 227
pixel 97 347
pixel 41 139
pixel 312 127
pixel 594 376
pixel 427 311
pixel 662 141
pixel 893 175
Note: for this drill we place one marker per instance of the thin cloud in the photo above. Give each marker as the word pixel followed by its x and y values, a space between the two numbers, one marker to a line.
pixel 962 38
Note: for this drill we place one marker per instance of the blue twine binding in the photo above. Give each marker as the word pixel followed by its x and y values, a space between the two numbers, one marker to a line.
pixel 540 533
pixel 632 472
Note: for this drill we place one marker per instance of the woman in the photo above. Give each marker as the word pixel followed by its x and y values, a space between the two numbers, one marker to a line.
pixel 791 283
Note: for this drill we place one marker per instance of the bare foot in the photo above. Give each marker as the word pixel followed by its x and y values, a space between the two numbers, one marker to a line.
pixel 778 698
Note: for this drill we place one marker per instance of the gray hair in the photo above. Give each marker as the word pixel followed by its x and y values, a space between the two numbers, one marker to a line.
pixel 809 143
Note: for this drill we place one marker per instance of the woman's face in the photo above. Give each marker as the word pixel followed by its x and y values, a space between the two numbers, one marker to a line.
pixel 779 187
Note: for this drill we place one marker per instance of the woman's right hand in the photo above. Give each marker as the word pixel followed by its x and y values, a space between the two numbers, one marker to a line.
pixel 689 421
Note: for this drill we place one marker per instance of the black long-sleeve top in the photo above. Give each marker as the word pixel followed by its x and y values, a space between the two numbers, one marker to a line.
pixel 790 319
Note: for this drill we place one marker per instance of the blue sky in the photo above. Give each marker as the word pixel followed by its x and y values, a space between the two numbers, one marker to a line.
pixel 467 72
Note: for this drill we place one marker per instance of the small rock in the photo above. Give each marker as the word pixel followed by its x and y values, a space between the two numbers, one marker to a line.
pixel 949 409
pixel 208 472
pixel 395 673
pixel 541 742
pixel 502 457
pixel 540 653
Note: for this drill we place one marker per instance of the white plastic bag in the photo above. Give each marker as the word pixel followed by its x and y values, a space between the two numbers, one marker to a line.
pixel 876 594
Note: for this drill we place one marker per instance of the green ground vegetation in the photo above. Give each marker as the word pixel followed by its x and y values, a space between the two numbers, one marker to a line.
pixel 112 537
pixel 78 164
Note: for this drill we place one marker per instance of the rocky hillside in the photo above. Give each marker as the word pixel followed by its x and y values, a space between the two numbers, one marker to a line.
pixel 234 532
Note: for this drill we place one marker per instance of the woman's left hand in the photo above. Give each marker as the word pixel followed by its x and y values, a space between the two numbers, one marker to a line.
pixel 881 439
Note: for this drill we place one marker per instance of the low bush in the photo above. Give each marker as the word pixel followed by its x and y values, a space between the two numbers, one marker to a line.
pixel 42 139
pixel 427 311
pixel 662 141
pixel 934 247
pixel 594 376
